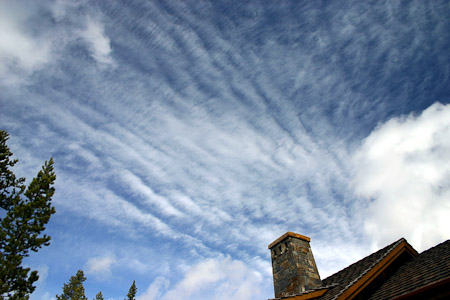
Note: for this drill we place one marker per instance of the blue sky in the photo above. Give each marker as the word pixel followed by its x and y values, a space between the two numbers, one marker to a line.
pixel 188 135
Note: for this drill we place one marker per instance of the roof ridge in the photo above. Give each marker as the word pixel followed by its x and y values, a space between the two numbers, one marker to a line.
pixel 435 246
pixel 389 250
pixel 430 267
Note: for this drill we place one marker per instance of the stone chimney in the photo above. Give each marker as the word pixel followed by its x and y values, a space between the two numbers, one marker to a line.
pixel 293 265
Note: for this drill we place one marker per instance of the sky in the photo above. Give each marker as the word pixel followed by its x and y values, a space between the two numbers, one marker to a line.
pixel 189 135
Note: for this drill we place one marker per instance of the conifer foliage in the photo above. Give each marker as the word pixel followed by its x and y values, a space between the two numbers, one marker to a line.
pixel 132 291
pixel 24 213
pixel 74 290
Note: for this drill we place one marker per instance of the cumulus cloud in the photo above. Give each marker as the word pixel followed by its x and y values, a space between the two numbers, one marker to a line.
pixel 403 168
pixel 100 266
pixel 98 41
pixel 210 279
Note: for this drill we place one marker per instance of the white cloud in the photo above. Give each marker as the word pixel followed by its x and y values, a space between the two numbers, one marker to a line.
pixel 43 273
pixel 26 47
pixel 154 291
pixel 151 198
pixel 100 266
pixel 210 279
pixel 118 213
pixel 60 8
pixel 403 167
pixel 21 52
pixel 98 41
pixel 47 296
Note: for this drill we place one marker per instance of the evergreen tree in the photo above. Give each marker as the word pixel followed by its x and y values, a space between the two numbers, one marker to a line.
pixel 99 296
pixel 132 292
pixel 74 290
pixel 24 213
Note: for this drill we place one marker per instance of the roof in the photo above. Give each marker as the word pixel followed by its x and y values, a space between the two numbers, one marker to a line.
pixel 395 272
pixel 430 267
pixel 350 275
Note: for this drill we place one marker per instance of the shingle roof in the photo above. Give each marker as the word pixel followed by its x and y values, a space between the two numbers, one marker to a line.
pixel 413 273
pixel 346 277
pixel 429 267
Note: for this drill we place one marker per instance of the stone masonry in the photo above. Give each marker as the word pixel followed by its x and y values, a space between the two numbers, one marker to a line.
pixel 293 265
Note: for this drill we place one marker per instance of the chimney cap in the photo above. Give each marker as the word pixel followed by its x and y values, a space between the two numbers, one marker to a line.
pixel 288 234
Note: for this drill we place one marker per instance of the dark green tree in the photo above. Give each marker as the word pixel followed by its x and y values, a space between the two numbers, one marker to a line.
pixel 24 212
pixel 99 296
pixel 74 290
pixel 132 292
